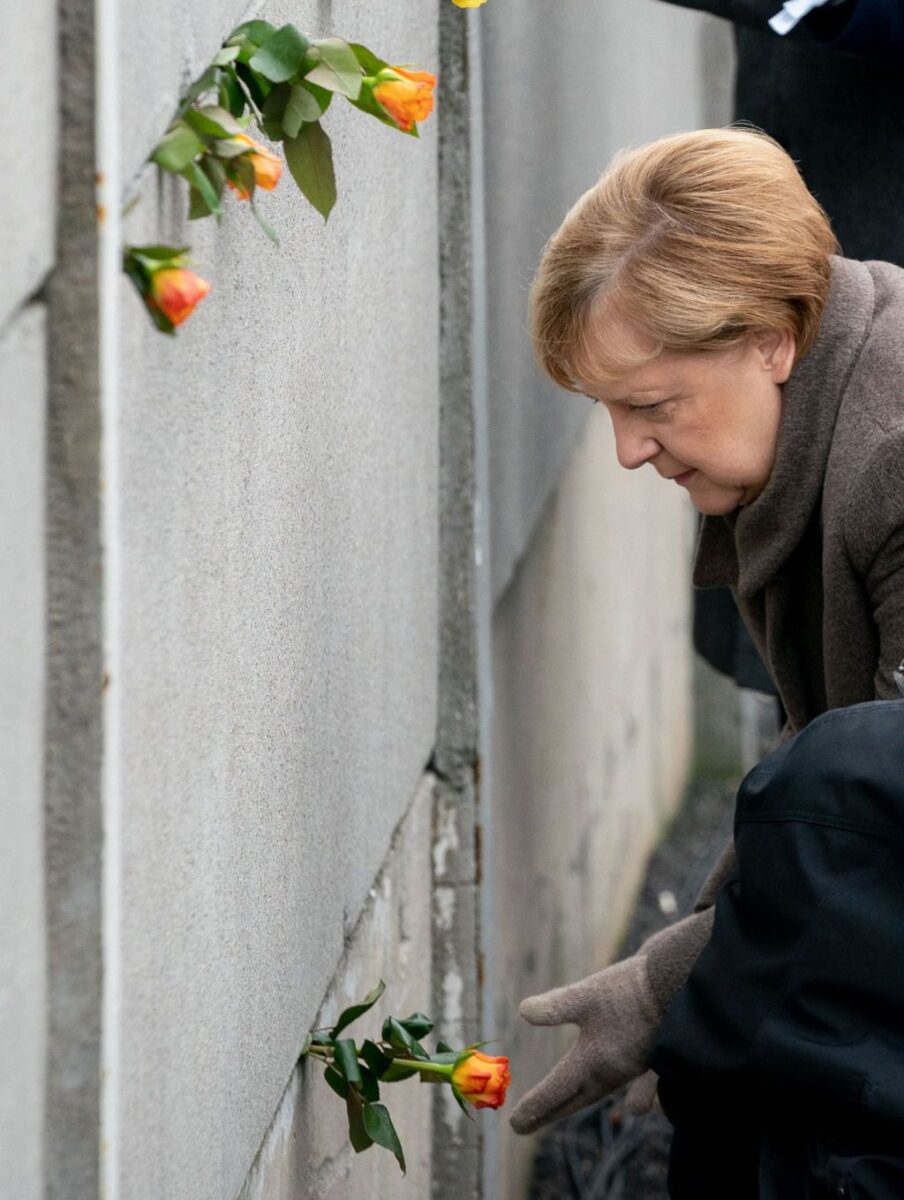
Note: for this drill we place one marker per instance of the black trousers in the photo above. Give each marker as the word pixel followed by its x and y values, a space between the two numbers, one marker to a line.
pixel 722 1152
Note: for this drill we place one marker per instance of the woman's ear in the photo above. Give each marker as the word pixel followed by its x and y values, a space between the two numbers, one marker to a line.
pixel 777 349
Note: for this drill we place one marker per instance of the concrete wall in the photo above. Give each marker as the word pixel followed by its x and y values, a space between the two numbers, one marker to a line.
pixel 22 939
pixel 273 685
pixel 305 1154
pixel 26 257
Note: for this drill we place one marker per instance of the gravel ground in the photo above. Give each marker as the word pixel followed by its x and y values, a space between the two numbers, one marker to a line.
pixel 602 1152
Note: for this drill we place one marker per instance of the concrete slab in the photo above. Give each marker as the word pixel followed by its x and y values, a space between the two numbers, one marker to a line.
pixel 276 692
pixel 22 677
pixel 27 200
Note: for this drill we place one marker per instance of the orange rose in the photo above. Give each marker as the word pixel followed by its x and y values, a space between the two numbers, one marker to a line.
pixel 406 95
pixel 175 291
pixel 481 1079
pixel 267 167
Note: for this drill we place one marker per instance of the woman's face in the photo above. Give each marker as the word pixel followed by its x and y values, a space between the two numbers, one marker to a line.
pixel 709 421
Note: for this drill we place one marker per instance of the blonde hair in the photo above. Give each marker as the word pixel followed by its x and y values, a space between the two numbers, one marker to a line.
pixel 694 241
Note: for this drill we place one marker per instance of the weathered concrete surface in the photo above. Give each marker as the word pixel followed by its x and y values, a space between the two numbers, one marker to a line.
pixel 457 988
pixel 29 192
pixel 306 1154
pixel 22 648
pixel 276 694
pixel 592 733
pixel 620 73
pixel 74 698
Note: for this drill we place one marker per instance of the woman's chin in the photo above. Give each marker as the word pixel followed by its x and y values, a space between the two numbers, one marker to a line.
pixel 714 501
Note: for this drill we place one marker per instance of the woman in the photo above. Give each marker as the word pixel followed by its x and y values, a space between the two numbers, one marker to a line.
pixel 695 293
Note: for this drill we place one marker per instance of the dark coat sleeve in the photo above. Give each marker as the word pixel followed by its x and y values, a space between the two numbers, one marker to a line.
pixel 872 27
pixel 874 527
pixel 755 13
pixel 743 12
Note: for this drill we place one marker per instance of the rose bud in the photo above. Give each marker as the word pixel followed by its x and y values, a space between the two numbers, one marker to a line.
pixel 406 95
pixel 267 167
pixel 481 1079
pixel 176 291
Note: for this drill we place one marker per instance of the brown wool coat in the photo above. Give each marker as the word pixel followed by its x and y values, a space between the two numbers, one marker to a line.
pixel 816 562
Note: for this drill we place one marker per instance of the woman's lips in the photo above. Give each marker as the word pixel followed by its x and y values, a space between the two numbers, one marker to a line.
pixel 686 476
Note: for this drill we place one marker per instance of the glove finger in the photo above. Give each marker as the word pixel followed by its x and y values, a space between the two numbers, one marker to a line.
pixel 561 1006
pixel 641 1095
pixel 556 1095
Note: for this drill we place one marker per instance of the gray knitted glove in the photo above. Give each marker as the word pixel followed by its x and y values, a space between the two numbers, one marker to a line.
pixel 617 1011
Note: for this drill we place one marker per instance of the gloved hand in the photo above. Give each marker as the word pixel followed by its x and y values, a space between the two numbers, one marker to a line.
pixel 617 1011
pixel 617 1016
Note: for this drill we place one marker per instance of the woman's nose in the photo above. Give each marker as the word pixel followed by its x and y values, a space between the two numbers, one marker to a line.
pixel 633 447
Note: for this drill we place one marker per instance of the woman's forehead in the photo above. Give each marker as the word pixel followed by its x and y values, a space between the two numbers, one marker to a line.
pixel 659 374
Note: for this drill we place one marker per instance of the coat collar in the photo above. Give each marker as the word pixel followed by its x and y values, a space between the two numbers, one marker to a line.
pixel 748 547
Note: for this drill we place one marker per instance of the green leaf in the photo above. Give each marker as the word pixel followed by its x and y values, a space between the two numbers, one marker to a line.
pixel 336 1082
pixel 179 146
pixel 375 1058
pixel 305 1045
pixel 157 253
pixel 302 108
pixel 253 87
pixel 444 1056
pixel 367 60
pixel 310 159
pixel 357 1133
pixel 282 55
pixel 197 206
pixel 346 1060
pixel 213 121
pixel 230 94
pixel 379 1127
pixel 338 69
pixel 399 1037
pixel 227 55
pixel 445 1048
pixel 268 229
pixel 241 172
pixel 320 1037
pixel 354 1011
pixel 199 180
pixel 225 149
pixel 253 31
pixel 272 110
pixel 417 1024
pixel 396 1072
pixel 369 1085
pixel 321 95
pixel 205 82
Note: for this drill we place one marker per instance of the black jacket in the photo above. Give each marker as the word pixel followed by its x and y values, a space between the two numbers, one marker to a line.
pixel 798 998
